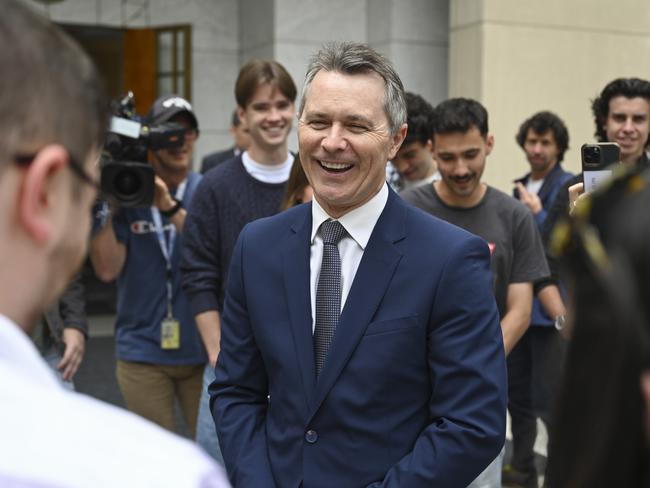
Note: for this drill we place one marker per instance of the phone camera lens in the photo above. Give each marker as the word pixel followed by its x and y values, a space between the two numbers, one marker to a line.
pixel 592 155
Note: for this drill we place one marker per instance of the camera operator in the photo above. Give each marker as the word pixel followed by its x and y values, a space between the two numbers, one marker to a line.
pixel 160 355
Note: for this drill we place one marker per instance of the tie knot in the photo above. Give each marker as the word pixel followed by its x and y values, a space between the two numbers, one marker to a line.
pixel 332 232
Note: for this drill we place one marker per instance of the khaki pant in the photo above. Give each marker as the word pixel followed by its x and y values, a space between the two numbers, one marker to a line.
pixel 149 390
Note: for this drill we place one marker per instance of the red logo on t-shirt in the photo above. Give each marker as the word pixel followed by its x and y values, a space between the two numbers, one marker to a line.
pixel 492 247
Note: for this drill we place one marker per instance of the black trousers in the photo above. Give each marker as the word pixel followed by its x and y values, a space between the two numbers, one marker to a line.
pixel 534 373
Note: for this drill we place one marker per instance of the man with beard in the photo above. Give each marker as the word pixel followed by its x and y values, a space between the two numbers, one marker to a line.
pixel 160 357
pixel 461 144
pixel 535 363
pixel 52 120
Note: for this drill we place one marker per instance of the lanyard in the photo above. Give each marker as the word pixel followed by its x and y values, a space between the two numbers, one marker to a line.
pixel 167 248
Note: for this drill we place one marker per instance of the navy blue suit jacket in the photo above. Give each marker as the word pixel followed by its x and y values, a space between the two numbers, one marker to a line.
pixel 413 391
pixel 552 185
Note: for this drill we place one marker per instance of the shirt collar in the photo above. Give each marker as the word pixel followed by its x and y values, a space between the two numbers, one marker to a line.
pixel 359 223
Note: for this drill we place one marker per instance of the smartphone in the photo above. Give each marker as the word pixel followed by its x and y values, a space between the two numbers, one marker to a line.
pixel 597 160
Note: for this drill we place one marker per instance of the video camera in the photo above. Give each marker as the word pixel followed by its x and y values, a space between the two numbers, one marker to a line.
pixel 126 176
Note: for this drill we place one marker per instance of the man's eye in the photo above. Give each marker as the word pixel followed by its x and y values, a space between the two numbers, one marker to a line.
pixel 318 124
pixel 357 128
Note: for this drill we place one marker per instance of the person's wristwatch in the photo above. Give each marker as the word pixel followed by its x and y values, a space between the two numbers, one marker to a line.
pixel 560 321
pixel 172 211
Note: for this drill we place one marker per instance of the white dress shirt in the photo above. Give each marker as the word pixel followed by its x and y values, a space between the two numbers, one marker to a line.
pixel 359 224
pixel 50 437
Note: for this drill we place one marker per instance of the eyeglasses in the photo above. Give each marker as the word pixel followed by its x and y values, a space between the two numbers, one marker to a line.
pixel 74 165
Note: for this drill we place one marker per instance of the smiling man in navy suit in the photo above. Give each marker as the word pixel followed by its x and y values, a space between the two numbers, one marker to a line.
pixel 360 338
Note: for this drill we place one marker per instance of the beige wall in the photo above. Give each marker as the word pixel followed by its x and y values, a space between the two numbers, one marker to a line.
pixel 521 56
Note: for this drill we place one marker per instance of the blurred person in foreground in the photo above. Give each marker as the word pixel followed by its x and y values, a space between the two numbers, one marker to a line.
pixel 360 342
pixel 602 425
pixel 52 119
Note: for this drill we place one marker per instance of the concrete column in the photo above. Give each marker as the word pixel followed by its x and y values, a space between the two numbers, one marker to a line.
pixel 414 35
pixel 290 31
pixel 256 30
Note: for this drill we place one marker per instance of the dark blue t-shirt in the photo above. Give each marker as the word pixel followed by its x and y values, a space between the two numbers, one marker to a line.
pixel 142 291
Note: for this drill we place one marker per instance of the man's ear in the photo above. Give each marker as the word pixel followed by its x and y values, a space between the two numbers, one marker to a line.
pixel 37 192
pixel 396 141
pixel 241 114
pixel 489 144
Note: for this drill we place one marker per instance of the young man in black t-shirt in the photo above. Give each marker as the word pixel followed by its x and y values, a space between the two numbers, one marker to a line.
pixel 461 144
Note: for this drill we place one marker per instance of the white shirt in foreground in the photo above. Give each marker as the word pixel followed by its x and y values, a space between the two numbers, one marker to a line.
pixel 50 437
pixel 359 224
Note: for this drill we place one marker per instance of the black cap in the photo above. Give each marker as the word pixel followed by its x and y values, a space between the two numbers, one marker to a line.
pixel 167 106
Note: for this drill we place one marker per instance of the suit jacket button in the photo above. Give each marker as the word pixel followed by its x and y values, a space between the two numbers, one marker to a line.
pixel 311 436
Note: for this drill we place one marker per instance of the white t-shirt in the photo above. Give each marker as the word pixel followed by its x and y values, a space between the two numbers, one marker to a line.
pixel 267 173
pixel 50 437
pixel 533 186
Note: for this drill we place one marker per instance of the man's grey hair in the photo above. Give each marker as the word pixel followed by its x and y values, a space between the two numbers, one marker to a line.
pixel 352 58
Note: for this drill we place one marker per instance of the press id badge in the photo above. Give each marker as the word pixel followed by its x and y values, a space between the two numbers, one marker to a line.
pixel 170 334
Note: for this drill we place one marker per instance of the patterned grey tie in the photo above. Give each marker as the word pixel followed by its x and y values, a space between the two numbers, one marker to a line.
pixel 328 292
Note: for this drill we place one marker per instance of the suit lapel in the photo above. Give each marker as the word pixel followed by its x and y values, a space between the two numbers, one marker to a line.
pixel 379 262
pixel 296 280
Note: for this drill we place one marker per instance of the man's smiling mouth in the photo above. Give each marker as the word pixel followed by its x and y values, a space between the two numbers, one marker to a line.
pixel 334 167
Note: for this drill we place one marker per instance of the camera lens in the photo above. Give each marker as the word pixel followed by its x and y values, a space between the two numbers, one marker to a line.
pixel 592 155
pixel 127 183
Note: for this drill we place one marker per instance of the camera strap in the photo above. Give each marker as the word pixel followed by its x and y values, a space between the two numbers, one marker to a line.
pixel 167 247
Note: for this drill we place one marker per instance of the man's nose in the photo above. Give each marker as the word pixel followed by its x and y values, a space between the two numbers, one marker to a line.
pixel 274 114
pixel 628 126
pixel 334 140
pixel 461 168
